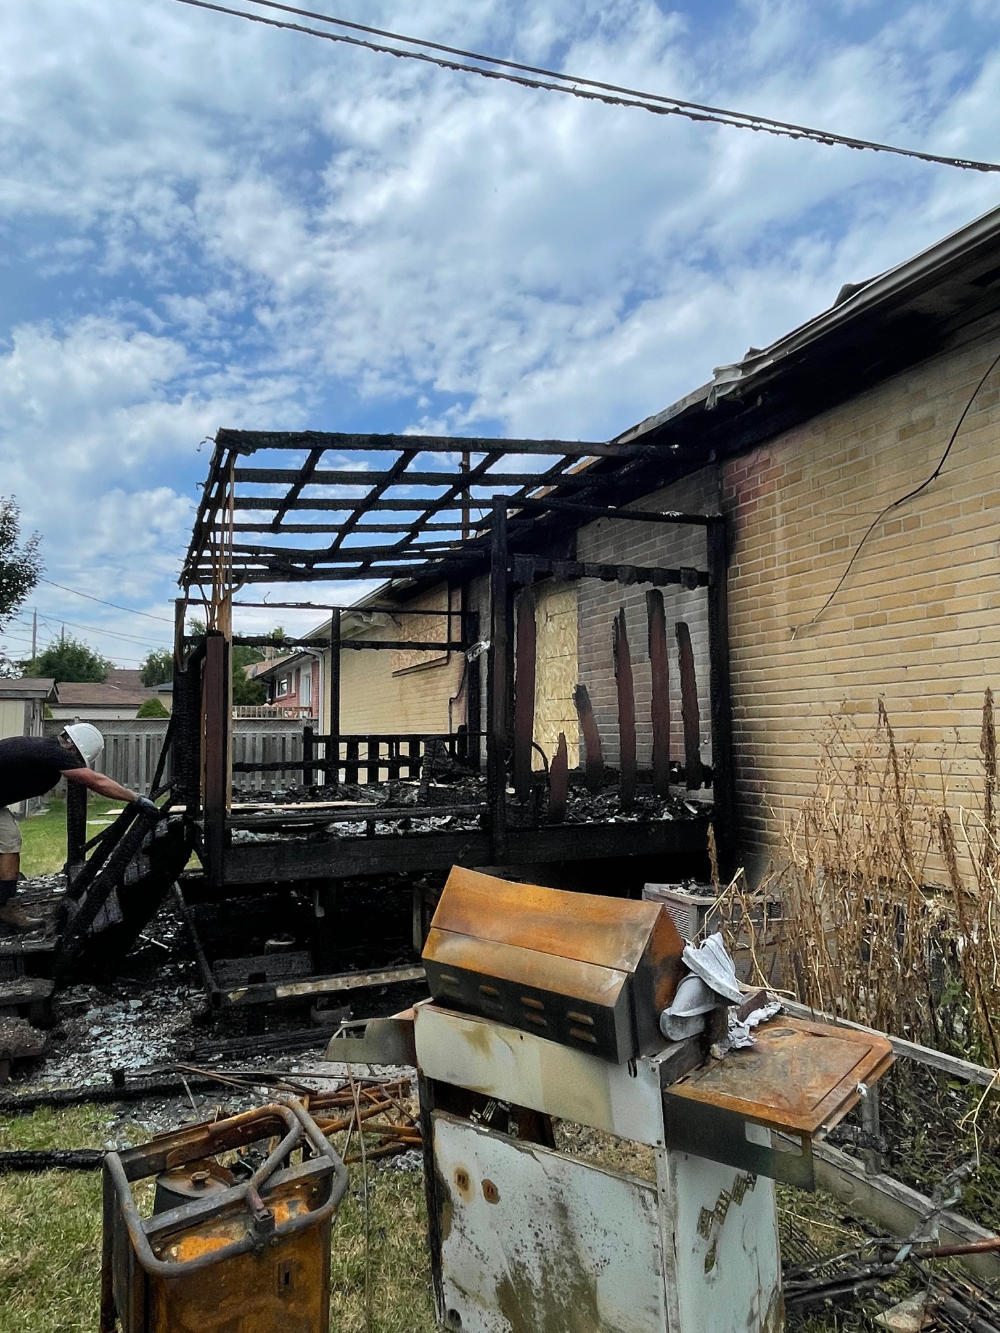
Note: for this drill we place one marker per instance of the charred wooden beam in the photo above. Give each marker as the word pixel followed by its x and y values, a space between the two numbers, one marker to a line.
pixel 217 714
pixel 626 709
pixel 524 693
pixel 275 476
pixel 299 478
pixel 424 645
pixel 333 700
pixel 538 503
pixel 474 685
pixel 690 711
pixel 659 691
pixel 594 757
pixel 559 781
pixel 249 441
pixel 499 670
pixel 526 567
pixel 374 495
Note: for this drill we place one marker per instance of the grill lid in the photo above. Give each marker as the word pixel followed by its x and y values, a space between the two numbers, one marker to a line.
pixel 581 969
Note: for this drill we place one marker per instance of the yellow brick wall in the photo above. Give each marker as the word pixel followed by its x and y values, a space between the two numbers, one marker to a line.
pixel 389 690
pixel 916 620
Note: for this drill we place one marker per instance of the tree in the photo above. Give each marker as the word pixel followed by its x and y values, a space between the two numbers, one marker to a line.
pixel 70 659
pixel 157 667
pixel 20 566
pixel 152 708
pixel 245 691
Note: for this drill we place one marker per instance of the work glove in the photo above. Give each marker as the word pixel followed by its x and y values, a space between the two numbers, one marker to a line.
pixel 147 808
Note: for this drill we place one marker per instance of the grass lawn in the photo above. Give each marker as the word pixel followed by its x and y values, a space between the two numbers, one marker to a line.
pixel 44 834
pixel 50 1240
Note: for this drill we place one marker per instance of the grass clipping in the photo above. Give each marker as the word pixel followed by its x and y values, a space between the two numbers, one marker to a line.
pixel 864 935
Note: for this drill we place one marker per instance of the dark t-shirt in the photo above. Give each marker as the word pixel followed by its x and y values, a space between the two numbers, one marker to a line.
pixel 32 765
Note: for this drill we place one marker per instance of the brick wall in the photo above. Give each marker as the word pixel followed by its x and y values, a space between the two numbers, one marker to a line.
pixel 626 542
pixel 389 690
pixel 916 620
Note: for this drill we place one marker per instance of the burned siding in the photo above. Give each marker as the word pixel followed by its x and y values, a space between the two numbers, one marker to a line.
pixel 611 542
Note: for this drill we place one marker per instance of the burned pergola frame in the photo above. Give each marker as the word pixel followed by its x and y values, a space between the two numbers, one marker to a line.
pixel 424 510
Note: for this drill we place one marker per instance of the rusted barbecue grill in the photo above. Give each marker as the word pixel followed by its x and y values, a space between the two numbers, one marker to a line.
pixel 546 1004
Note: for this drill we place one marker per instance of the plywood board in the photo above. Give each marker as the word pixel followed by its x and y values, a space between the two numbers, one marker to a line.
pixel 556 670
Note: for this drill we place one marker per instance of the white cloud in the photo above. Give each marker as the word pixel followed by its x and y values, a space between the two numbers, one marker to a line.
pixel 220 224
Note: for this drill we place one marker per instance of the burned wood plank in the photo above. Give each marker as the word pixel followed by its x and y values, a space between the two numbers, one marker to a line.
pixel 266 476
pixel 660 691
pixel 559 781
pixel 525 656
pixel 690 712
pixel 499 670
pixel 594 757
pixel 626 709
pixel 249 441
pixel 527 566
pixel 217 722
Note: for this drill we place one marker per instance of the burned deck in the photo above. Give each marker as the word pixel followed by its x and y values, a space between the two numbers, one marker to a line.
pixel 382 832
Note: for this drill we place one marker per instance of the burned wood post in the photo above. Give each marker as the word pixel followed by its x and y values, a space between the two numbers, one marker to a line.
pixel 660 691
pixel 594 757
pixel 217 710
pixel 499 668
pixel 626 708
pixel 524 693
pixel 76 828
pixel 689 708
pixel 333 727
pixel 308 772
pixel 723 777
pixel 473 689
pixel 559 781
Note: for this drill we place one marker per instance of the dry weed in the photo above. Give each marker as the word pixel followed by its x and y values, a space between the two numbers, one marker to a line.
pixel 865 935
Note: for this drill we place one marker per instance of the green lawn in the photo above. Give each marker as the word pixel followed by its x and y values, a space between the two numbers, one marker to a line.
pixel 44 834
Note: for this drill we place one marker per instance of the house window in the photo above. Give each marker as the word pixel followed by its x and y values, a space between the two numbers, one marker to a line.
pixel 305 687
pixel 282 686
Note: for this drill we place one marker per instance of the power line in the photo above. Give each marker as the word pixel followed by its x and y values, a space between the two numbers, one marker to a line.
pixel 94 629
pixel 91 598
pixel 587 89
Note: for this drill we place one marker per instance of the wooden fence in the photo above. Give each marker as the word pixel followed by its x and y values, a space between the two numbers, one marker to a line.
pixel 132 749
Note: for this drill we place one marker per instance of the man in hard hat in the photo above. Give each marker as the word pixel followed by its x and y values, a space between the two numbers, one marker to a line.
pixel 31 766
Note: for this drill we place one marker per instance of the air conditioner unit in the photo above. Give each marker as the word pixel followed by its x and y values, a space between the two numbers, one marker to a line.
pixel 693 908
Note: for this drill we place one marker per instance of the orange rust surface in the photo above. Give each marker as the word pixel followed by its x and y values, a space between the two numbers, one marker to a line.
pixel 590 928
pixel 798 1076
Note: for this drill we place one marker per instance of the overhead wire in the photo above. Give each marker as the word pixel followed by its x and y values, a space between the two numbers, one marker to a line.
pixel 91 598
pixel 534 76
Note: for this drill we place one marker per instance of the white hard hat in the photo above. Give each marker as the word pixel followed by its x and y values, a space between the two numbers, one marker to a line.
pixel 88 740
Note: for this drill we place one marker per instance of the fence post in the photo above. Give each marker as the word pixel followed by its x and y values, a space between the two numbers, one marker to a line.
pixel 308 772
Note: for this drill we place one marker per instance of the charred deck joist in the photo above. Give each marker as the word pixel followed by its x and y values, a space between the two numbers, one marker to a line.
pixel 284 859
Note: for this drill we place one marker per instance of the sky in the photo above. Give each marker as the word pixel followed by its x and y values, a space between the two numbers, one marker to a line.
pixel 209 223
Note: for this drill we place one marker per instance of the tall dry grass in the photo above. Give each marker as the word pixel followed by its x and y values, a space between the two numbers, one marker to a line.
pixel 865 934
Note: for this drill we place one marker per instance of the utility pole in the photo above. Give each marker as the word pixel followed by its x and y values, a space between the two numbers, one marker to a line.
pixel 34 633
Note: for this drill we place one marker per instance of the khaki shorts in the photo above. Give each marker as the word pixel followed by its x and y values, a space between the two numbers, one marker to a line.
pixel 10 833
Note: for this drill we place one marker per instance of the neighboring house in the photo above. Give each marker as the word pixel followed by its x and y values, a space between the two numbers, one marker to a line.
pixel 22 713
pixel 114 699
pixel 292 682
pixel 802 444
